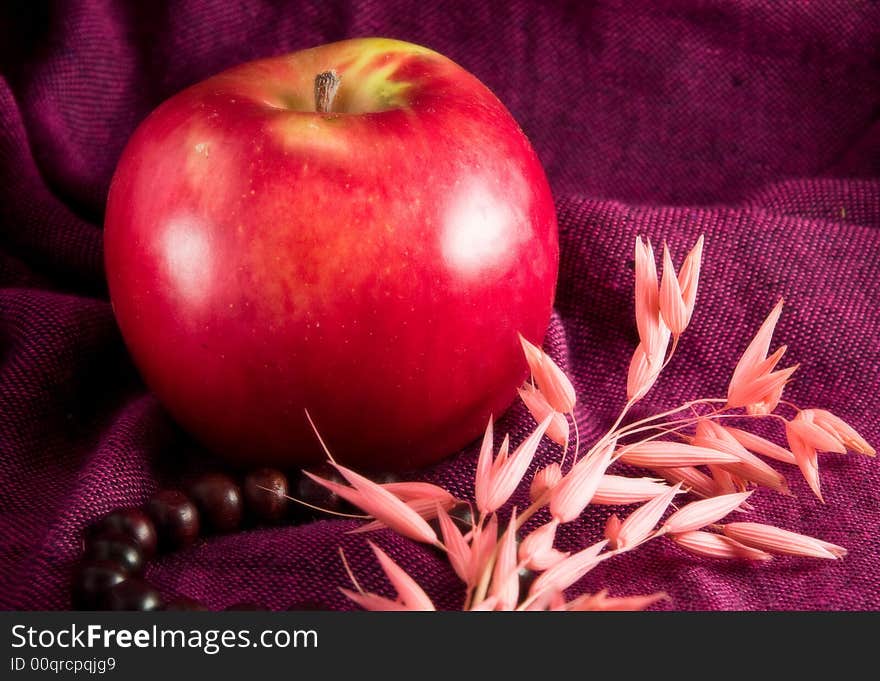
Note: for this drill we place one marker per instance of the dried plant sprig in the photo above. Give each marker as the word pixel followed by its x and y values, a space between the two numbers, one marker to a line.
pixel 693 447
pixel 714 545
pixel 410 595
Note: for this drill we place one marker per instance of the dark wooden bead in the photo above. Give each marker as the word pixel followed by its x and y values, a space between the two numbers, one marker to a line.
pixel 460 514
pixel 265 492
pixel 526 579
pixel 312 493
pixel 131 522
pixel 463 514
pixel 384 478
pixel 245 606
pixel 176 518
pixel 133 594
pixel 184 603
pixel 218 498
pixel 118 548
pixel 91 582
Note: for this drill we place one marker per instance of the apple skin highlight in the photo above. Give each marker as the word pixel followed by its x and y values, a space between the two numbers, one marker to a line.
pixel 372 264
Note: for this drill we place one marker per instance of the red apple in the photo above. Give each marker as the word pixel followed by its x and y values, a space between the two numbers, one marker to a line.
pixel 371 262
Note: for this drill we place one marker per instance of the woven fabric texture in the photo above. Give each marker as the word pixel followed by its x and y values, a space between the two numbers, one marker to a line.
pixel 754 123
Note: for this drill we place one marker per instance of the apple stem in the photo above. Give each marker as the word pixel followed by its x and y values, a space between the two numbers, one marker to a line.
pixel 326 85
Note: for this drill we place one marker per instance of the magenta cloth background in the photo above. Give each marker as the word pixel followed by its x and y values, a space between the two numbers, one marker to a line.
pixel 756 123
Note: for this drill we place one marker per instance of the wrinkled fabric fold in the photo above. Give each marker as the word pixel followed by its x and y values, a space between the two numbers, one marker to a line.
pixel 756 124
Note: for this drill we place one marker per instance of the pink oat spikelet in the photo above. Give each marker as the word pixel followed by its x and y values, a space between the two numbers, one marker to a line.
pixel 426 508
pixel 420 491
pixel 486 605
pixel 385 507
pixel 663 454
pixel 813 435
pixel 840 430
pixel 641 523
pixel 807 458
pixel 689 278
pixel 698 514
pixel 754 384
pixel 410 595
pixel 483 476
pixel 693 479
pixel 612 530
pixel 572 494
pixel 749 467
pixel 483 546
pixel 566 572
pixel 644 370
pixel 545 480
pixel 760 445
pixel 554 385
pixel 388 510
pixel 371 601
pixel 776 540
pixel 505 576
pixel 422 497
pixel 678 295
pixel 672 306
pixel 536 551
pixel 724 482
pixel 408 591
pixel 713 545
pixel 540 409
pixel 653 333
pixel 619 490
pixel 647 360
pixel 457 548
pixel 497 480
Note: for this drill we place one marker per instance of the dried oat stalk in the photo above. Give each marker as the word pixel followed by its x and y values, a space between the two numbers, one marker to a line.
pixel 693 453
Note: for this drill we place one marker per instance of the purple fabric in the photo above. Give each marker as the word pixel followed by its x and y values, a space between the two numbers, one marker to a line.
pixel 755 123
